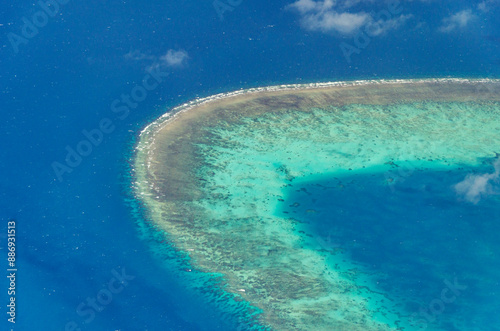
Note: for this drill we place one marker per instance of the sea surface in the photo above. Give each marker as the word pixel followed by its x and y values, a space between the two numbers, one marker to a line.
pixel 74 234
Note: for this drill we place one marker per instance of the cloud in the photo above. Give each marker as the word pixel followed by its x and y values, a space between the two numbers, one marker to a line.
pixel 137 55
pixel 486 5
pixel 307 6
pixel 172 58
pixel 331 16
pixel 321 16
pixel 344 23
pixel 457 21
pixel 473 187
pixel 380 27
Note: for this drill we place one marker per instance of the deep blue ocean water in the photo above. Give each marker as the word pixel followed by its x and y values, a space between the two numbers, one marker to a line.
pixel 72 234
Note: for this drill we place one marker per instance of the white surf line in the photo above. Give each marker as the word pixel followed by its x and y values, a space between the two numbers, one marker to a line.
pixel 170 115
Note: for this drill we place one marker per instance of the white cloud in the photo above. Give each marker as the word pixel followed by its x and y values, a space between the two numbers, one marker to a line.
pixel 376 28
pixel 174 58
pixel 420 25
pixel 307 6
pixel 486 5
pixel 344 23
pixel 137 55
pixel 457 21
pixel 331 16
pixel 473 187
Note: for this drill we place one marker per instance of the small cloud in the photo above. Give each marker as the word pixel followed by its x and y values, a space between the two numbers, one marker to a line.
pixel 486 5
pixel 419 26
pixel 321 16
pixel 376 28
pixel 307 6
pixel 137 55
pixel 457 21
pixel 331 16
pixel 473 187
pixel 174 58
pixel 344 23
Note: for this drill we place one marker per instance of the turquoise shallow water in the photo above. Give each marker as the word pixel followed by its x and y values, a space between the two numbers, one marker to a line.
pixel 339 217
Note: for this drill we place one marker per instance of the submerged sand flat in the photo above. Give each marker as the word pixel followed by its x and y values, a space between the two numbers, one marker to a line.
pixel 212 173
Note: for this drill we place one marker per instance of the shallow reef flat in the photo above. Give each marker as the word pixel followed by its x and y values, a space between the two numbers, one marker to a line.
pixel 212 174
